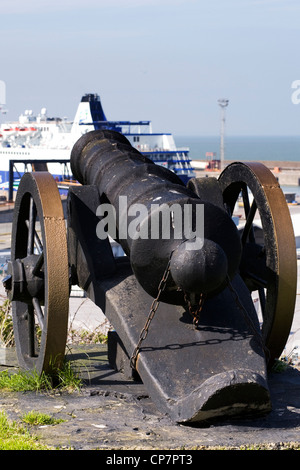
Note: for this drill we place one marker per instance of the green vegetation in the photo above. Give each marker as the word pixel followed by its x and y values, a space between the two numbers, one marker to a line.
pixel 14 436
pixel 35 418
pixel 65 379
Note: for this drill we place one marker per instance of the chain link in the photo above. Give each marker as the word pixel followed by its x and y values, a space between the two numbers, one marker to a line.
pixel 153 308
pixel 195 310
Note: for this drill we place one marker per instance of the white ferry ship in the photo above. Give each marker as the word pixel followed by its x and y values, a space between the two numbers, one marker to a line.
pixel 38 140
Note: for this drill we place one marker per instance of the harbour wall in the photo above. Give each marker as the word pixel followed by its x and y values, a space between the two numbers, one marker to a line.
pixel 286 173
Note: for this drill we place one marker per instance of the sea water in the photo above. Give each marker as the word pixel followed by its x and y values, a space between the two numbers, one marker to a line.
pixel 245 148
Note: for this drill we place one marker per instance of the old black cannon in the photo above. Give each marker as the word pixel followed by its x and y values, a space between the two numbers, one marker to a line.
pixel 183 298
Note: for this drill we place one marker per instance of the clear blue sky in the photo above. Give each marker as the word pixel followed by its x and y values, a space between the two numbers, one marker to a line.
pixel 168 61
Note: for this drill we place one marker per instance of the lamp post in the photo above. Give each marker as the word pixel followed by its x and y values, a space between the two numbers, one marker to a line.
pixel 223 105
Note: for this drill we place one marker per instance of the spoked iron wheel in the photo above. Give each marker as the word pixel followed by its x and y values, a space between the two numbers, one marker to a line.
pixel 269 262
pixel 38 280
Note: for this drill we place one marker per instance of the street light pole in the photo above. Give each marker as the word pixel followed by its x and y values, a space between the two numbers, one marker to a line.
pixel 223 105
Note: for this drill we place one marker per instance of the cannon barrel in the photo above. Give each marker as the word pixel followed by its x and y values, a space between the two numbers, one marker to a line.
pixel 126 180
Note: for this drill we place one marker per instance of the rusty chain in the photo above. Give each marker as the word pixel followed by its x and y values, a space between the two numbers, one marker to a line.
pixel 153 308
pixel 195 310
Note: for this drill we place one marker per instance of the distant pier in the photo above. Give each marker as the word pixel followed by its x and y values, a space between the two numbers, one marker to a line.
pixel 286 173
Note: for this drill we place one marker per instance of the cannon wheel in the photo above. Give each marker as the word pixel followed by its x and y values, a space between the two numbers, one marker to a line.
pixel 269 265
pixel 43 315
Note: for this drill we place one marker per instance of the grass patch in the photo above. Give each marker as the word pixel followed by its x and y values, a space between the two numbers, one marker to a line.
pixel 35 418
pixel 65 379
pixel 23 381
pixel 14 436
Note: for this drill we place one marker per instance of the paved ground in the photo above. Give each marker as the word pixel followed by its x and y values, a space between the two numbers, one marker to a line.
pixel 113 413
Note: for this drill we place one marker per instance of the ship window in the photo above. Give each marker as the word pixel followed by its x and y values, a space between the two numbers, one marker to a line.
pixel 136 139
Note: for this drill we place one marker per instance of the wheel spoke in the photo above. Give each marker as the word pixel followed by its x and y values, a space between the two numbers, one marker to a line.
pixel 31 331
pixel 38 311
pixel 262 299
pixel 39 264
pixel 248 228
pixel 250 212
pixel 38 243
pixel 36 239
pixel 31 227
pixel 245 196
pixel 258 281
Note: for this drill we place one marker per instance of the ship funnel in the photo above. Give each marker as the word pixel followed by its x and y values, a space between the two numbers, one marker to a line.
pixel 89 114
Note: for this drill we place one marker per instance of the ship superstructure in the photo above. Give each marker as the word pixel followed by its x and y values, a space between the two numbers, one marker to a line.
pixel 38 139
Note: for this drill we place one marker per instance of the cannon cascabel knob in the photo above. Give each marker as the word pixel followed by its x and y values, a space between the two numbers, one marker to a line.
pixel 199 271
